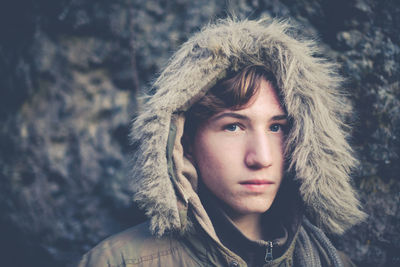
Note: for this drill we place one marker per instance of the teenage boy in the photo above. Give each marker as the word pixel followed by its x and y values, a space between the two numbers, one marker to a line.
pixel 241 157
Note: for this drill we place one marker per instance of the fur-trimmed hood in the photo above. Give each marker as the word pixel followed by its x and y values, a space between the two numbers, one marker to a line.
pixel 164 181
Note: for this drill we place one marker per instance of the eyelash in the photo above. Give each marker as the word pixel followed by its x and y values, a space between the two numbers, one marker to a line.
pixel 281 128
pixel 228 127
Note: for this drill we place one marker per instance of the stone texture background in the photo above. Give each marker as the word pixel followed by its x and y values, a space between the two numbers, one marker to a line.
pixel 70 73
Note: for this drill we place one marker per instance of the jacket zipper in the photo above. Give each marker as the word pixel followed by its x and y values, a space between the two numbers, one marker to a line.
pixel 268 252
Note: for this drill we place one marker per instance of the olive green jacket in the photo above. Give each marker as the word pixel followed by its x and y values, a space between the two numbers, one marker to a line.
pixel 138 247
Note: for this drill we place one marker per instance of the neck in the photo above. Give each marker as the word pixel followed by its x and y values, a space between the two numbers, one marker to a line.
pixel 249 225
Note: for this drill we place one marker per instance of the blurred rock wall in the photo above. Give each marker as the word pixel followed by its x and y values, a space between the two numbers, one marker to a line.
pixel 70 74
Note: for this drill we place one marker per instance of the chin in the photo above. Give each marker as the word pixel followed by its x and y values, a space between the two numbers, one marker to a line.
pixel 253 207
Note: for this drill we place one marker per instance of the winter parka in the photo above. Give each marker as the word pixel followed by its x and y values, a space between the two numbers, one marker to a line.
pixel 181 230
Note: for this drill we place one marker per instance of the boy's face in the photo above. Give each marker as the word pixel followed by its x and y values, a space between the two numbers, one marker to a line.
pixel 239 153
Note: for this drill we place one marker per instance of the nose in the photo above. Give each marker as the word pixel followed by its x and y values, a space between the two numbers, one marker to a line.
pixel 259 151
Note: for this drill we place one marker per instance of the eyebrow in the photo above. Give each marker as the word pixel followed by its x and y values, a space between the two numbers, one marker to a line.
pixel 279 117
pixel 243 117
pixel 230 114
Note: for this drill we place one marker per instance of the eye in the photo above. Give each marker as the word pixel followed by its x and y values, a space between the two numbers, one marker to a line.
pixel 275 128
pixel 231 127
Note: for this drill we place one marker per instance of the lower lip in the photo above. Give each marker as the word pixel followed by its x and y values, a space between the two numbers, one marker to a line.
pixel 256 187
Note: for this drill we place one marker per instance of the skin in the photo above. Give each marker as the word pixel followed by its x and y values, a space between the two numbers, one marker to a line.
pixel 239 155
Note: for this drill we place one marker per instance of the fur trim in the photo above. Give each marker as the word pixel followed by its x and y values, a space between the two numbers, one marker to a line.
pixel 317 148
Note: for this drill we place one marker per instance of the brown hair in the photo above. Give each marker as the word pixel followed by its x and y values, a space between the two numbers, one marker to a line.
pixel 233 92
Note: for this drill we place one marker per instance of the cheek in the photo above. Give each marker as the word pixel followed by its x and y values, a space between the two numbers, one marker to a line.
pixel 207 156
pixel 277 149
pixel 213 156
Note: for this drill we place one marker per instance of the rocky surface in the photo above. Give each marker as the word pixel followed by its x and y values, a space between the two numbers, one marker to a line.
pixel 70 73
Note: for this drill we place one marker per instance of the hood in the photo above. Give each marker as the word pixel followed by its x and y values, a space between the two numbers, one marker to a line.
pixel 163 180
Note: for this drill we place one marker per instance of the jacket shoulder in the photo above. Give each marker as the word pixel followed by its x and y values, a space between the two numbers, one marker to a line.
pixel 136 246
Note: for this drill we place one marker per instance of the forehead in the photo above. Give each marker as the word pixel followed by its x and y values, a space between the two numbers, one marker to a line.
pixel 265 103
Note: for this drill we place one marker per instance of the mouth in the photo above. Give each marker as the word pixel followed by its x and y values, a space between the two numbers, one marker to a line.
pixel 256 185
